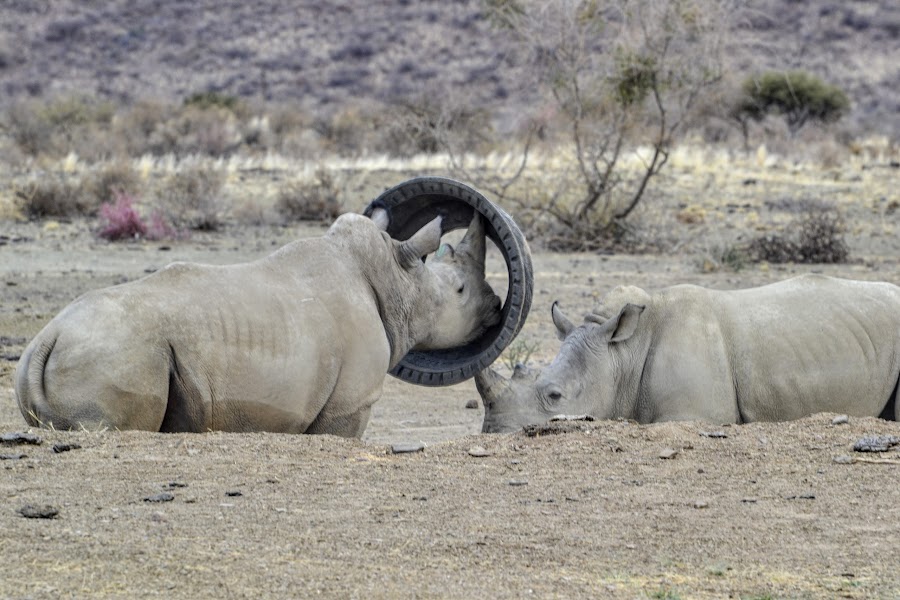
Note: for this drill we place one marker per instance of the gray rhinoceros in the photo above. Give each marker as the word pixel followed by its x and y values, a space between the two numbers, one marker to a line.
pixel 773 353
pixel 299 341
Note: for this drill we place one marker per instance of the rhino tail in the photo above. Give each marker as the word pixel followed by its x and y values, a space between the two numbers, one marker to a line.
pixel 30 392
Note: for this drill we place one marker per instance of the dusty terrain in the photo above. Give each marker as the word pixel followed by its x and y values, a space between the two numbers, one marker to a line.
pixel 582 510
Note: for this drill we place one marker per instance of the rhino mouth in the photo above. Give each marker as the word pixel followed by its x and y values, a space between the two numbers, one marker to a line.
pixel 412 204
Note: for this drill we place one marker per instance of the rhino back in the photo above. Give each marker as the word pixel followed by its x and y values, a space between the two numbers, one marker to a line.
pixel 812 344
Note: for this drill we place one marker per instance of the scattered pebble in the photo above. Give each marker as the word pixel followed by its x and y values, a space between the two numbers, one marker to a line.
pixel 517 482
pixel 714 434
pixel 161 497
pixel 881 443
pixel 233 493
pixel 840 420
pixel 748 500
pixel 700 504
pixel 472 403
pixel 60 448
pixel 176 484
pixel 407 447
pixel 21 438
pixel 16 456
pixel 478 452
pixel 843 459
pixel 30 511
pixel 668 453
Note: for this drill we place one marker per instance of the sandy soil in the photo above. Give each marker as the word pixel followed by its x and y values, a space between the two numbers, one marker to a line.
pixel 581 510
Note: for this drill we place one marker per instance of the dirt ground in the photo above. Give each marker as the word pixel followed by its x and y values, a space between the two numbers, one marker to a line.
pixel 785 510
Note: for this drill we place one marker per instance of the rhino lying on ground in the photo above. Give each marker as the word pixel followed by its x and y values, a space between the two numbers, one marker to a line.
pixel 773 353
pixel 299 341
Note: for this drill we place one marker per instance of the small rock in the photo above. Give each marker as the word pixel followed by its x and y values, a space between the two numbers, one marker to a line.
pixel 840 420
pixel 517 482
pixel 407 447
pixel 21 438
pixel 478 452
pixel 176 484
pixel 700 504
pixel 16 456
pixel 801 497
pixel 472 403
pixel 60 448
pixel 30 511
pixel 843 459
pixel 668 453
pixel 714 434
pixel 233 493
pixel 881 443
pixel 162 497
pixel 749 500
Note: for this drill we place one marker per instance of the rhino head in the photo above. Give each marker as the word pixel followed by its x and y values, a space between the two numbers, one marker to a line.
pixel 508 404
pixel 583 378
pixel 466 306
pixel 447 301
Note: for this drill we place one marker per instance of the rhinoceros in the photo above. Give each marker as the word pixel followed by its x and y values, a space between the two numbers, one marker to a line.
pixel 772 353
pixel 299 341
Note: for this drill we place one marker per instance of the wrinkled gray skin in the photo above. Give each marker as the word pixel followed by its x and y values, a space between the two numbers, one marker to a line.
pixel 299 341
pixel 774 353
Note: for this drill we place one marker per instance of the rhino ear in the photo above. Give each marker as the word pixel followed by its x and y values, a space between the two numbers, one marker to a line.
pixel 381 218
pixel 563 325
pixel 623 325
pixel 473 243
pixel 425 241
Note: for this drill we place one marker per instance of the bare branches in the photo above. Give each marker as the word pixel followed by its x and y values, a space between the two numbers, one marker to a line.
pixel 622 75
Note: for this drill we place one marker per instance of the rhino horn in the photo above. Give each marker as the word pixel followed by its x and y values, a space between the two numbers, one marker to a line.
pixel 473 243
pixel 563 325
pixel 490 384
pixel 425 241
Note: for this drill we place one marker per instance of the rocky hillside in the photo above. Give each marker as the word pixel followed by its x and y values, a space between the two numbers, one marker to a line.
pixel 321 55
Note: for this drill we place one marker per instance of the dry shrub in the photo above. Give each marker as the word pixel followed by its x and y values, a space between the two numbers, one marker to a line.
pixel 61 125
pixel 137 124
pixel 122 221
pixel 819 238
pixel 315 200
pixel 213 131
pixel 55 197
pixel 192 198
pixel 104 183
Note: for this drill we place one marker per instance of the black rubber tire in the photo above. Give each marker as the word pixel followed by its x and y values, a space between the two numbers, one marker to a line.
pixel 414 203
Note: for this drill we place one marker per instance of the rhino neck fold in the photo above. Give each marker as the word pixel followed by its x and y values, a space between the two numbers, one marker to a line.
pixel 631 402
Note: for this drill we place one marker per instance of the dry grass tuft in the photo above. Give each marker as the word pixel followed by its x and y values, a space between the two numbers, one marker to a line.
pixel 314 200
pixel 192 198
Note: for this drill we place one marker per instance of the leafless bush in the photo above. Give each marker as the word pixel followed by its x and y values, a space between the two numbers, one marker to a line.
pixel 58 126
pixel 55 197
pixel 315 200
pixel 436 122
pixel 108 181
pixel 619 75
pixel 192 198
pixel 818 237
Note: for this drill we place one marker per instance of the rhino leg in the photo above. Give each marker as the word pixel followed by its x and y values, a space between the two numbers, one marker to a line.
pixel 342 425
pixel 94 390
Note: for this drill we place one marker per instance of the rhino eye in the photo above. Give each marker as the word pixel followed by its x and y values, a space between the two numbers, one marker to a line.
pixel 554 396
pixel 461 289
